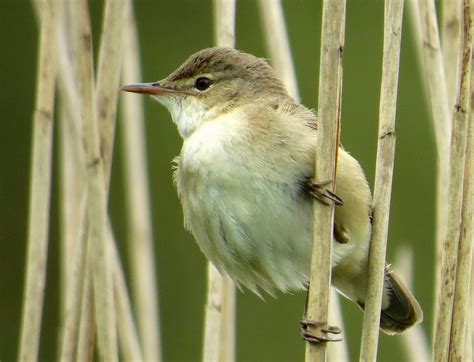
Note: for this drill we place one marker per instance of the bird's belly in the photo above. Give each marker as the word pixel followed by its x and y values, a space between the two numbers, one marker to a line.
pixel 257 231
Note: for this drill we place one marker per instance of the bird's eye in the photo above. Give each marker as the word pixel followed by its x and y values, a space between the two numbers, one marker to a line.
pixel 202 83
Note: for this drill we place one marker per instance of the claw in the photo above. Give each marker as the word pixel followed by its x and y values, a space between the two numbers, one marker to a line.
pixel 316 337
pixel 317 191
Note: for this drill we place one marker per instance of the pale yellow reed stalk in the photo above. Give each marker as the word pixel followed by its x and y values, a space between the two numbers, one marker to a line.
pixel 460 121
pixel 461 314
pixel 40 186
pixel 140 236
pixel 278 45
pixel 96 204
pixel 219 320
pixel 450 27
pixel 383 177
pixel 414 340
pixel 434 70
pixel 329 112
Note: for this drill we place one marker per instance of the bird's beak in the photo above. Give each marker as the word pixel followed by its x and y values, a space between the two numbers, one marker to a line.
pixel 148 88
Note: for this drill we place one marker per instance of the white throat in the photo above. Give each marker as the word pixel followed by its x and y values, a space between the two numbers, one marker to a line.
pixel 188 114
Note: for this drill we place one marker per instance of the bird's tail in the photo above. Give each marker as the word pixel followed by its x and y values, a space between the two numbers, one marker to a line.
pixel 402 310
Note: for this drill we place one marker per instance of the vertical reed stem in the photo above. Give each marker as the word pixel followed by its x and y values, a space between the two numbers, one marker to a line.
pixel 460 122
pixel 40 186
pixel 278 44
pixel 218 316
pixel 383 177
pixel 96 205
pixel 459 337
pixel 140 236
pixel 329 110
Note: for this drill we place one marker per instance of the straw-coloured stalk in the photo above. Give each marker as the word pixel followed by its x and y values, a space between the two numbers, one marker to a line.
pixel 96 205
pixel 459 338
pixel 108 79
pixel 450 27
pixel 383 177
pixel 278 45
pixel 219 323
pixel 414 340
pixel 460 122
pixel 140 236
pixel 329 111
pixel 439 103
pixel 40 186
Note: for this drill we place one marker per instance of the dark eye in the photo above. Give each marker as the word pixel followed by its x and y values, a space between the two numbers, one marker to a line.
pixel 203 83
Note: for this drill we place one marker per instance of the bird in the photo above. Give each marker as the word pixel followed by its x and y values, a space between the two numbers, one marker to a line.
pixel 245 182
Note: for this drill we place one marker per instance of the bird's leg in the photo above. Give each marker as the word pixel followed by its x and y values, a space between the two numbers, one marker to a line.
pixel 321 335
pixel 316 189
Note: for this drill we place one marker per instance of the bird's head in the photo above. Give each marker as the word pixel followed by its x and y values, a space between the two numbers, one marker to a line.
pixel 212 82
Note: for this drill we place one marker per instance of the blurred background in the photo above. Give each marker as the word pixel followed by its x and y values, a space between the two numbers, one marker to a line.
pixel 169 31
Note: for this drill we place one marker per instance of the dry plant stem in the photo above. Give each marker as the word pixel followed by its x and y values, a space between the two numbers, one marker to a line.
pixel 86 337
pixel 278 45
pixel 280 57
pixel 217 316
pixel 383 178
pixel 213 312
pixel 337 352
pixel 459 337
pixel 108 78
pixel 414 340
pixel 450 26
pixel 440 114
pixel 329 110
pixel 140 235
pixel 40 186
pixel 127 331
pixel 101 262
pixel 464 262
pixel 455 194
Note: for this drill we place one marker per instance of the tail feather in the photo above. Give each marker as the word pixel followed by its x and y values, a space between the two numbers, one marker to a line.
pixel 402 310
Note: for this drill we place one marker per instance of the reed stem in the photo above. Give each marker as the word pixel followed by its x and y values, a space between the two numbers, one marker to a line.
pixel 140 235
pixel 329 111
pixel 40 186
pixel 460 121
pixel 383 178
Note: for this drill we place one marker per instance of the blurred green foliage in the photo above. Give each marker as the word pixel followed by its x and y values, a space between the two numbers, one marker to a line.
pixel 169 31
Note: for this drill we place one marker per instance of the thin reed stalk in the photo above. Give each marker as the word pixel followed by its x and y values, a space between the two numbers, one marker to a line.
pixel 127 331
pixel 460 121
pixel 337 352
pixel 427 34
pixel 219 320
pixel 450 27
pixel 383 178
pixel 278 45
pixel 140 237
pixel 459 338
pixel 329 111
pixel 415 339
pixel 96 205
pixel 40 186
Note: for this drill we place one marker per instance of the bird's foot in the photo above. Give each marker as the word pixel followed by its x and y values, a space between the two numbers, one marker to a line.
pixel 321 335
pixel 341 234
pixel 316 189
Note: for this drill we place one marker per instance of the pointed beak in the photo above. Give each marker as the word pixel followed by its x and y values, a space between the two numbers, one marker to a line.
pixel 153 89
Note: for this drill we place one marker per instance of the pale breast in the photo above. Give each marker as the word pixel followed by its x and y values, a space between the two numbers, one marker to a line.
pixel 243 208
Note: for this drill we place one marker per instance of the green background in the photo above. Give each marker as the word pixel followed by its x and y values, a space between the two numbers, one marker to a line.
pixel 169 31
